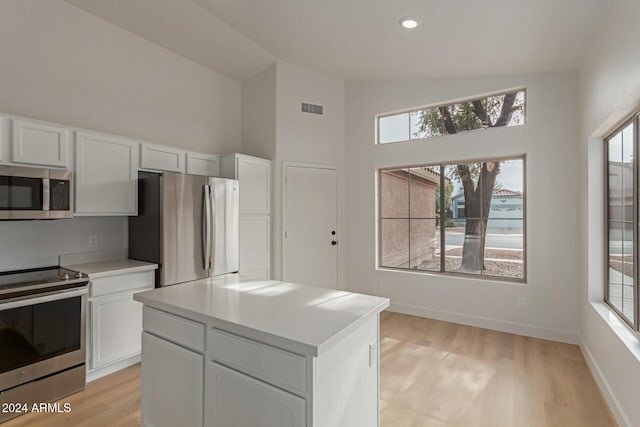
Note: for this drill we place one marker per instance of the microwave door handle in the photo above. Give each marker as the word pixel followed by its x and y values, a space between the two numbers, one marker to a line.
pixel 46 191
pixel 206 227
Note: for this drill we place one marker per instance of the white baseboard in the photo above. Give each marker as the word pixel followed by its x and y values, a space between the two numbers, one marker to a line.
pixel 612 401
pixel 486 323
pixel 110 369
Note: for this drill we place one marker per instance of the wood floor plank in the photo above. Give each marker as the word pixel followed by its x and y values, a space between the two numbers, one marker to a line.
pixel 433 374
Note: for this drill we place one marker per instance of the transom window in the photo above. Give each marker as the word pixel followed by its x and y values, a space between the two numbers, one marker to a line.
pixel 503 109
pixel 621 291
pixel 462 217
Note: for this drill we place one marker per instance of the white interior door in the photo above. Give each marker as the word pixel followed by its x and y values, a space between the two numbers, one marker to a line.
pixel 311 237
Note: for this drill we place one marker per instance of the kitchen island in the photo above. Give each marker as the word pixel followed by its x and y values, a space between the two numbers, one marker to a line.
pixel 226 352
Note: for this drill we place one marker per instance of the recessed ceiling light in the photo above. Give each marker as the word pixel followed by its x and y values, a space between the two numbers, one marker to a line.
pixel 409 23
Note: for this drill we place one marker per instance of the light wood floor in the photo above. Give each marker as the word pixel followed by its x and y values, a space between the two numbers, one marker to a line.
pixel 442 374
pixel 432 374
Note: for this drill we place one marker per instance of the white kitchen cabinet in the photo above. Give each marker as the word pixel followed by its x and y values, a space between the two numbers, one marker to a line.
pixel 39 143
pixel 172 380
pixel 255 246
pixel 115 321
pixel 254 175
pixel 106 179
pixel 161 158
pixel 203 164
pixel 234 399
pixel 116 324
pixel 323 372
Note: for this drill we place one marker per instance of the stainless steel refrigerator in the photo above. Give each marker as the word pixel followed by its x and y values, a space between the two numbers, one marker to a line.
pixel 187 224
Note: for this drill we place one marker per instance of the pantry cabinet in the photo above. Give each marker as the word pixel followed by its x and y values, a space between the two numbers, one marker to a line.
pixel 106 175
pixel 254 175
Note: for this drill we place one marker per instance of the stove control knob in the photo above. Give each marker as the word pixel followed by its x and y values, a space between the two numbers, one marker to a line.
pixel 78 275
pixel 65 276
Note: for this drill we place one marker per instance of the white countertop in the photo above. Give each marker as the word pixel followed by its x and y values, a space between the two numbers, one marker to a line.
pixel 302 319
pixel 112 268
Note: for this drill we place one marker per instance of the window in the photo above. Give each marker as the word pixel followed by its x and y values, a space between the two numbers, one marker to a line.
pixel 504 109
pixel 465 217
pixel 621 223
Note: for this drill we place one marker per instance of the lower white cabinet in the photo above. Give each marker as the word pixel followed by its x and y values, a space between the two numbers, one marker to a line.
pixel 235 381
pixel 172 378
pixel 116 324
pixel 235 399
pixel 115 321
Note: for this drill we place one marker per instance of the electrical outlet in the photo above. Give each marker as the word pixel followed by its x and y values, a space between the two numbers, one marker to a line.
pixel 93 241
pixel 373 354
pixel 522 303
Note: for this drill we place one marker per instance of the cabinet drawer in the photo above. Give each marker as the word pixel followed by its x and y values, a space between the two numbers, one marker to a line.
pixel 122 282
pixel 174 328
pixel 278 367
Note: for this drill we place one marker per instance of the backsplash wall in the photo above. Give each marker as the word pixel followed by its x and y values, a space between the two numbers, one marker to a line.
pixel 27 244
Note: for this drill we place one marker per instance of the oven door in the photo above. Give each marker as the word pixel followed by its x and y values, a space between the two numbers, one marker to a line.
pixel 41 335
pixel 24 193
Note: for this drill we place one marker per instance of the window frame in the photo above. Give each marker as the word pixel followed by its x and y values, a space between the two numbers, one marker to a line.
pixel 408 111
pixel 442 222
pixel 633 119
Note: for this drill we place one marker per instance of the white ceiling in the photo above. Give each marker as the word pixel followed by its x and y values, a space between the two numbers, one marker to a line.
pixel 361 39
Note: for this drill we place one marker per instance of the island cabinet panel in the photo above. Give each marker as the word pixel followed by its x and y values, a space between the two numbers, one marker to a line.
pixel 281 368
pixel 234 399
pixel 172 384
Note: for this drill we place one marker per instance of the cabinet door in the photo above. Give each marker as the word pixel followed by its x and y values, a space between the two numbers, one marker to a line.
pixel 116 325
pixel 106 175
pixel 41 144
pixel 255 185
pixel 255 245
pixel 172 384
pixel 203 164
pixel 234 399
pixel 161 158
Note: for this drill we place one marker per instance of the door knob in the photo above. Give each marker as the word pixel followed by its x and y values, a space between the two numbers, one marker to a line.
pixel 334 242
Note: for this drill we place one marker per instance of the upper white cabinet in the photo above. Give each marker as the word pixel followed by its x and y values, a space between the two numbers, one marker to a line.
pixel 203 164
pixel 254 175
pixel 161 158
pixel 106 177
pixel 39 143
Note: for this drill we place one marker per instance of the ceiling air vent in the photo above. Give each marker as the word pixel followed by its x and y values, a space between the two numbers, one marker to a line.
pixel 312 108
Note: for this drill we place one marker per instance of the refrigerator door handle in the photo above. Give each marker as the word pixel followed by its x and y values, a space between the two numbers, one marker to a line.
pixel 206 227
pixel 212 204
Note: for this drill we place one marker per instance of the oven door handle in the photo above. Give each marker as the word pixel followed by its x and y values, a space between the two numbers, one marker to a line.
pixel 49 297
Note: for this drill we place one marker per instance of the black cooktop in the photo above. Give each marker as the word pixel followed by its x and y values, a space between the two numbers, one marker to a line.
pixel 39 280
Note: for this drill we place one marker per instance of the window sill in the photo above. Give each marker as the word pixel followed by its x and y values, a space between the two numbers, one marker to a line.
pixel 464 276
pixel 628 337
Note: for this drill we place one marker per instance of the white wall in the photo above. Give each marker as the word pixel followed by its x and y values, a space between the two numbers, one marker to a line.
pixel 259 114
pixel 548 140
pixel 307 138
pixel 62 64
pixel 27 244
pixel 609 91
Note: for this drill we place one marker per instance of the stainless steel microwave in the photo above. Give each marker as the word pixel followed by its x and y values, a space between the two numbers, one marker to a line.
pixel 35 193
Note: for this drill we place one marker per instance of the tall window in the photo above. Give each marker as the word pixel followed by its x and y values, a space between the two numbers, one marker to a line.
pixel 622 216
pixel 463 217
pixel 503 109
